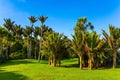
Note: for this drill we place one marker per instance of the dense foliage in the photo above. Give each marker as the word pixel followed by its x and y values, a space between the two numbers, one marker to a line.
pixel 41 42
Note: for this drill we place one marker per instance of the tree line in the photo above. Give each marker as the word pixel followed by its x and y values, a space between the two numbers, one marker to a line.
pixel 42 42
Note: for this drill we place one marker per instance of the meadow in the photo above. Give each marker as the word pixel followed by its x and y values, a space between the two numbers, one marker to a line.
pixel 28 69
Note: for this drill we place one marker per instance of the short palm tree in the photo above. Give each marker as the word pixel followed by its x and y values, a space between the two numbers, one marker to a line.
pixel 92 45
pixel 113 41
pixel 55 47
pixel 78 45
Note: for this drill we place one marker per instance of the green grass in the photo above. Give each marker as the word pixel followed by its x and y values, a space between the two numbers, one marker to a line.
pixel 32 70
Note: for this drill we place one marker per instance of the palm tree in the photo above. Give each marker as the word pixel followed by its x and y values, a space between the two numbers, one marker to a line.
pixel 42 19
pixel 92 46
pixel 32 21
pixel 83 25
pixel 55 46
pixel 78 45
pixel 113 41
pixel 9 26
pixel 26 33
pixel 18 31
pixel 36 33
pixel 3 33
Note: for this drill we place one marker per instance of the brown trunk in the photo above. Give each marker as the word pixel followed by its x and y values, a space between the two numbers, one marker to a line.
pixel 90 64
pixel 90 61
pixel 114 60
pixel 59 63
pixel 49 61
pixel 53 61
pixel 80 60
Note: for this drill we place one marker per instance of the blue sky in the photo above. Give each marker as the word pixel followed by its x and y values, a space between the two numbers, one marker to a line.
pixel 63 14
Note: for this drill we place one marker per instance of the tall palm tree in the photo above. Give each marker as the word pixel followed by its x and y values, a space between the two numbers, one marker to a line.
pixel 3 33
pixel 18 31
pixel 42 19
pixel 36 33
pixel 113 41
pixel 9 26
pixel 32 21
pixel 27 32
pixel 3 37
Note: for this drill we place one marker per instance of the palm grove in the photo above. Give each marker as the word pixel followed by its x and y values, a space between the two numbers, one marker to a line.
pixel 41 42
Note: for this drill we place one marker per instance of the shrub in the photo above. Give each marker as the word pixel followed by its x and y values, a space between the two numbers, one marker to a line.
pixel 17 55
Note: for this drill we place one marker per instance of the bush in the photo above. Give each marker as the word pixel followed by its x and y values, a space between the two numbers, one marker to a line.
pixel 17 55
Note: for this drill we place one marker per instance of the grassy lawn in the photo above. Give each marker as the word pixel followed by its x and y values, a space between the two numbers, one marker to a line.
pixel 32 70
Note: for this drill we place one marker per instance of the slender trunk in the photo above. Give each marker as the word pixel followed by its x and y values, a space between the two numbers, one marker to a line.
pixel 39 53
pixel 80 60
pixel 39 57
pixel 27 51
pixel 59 62
pixel 114 60
pixel 7 53
pixel 35 53
pixel 49 61
pixel 30 49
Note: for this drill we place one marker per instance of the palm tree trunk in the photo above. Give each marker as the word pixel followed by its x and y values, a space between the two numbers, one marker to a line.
pixel 39 57
pixel 90 64
pixel 80 60
pixel 90 61
pixel 35 53
pixel 59 62
pixel 39 53
pixel 30 49
pixel 49 61
pixel 114 59
pixel 53 61
pixel 7 53
pixel 27 51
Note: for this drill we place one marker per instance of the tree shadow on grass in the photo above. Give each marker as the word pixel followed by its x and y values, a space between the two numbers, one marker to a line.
pixel 70 66
pixel 43 62
pixel 16 62
pixel 11 76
